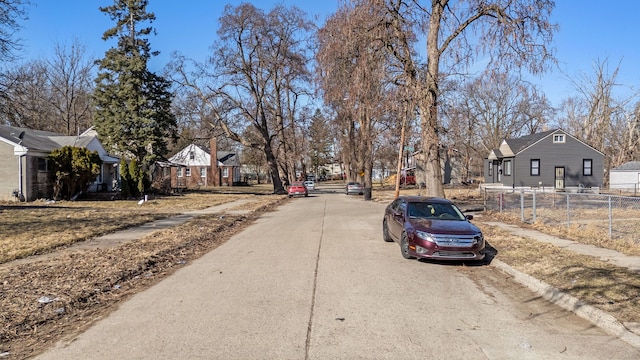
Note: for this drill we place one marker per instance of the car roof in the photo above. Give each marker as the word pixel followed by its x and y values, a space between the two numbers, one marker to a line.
pixel 429 199
pixel 297 183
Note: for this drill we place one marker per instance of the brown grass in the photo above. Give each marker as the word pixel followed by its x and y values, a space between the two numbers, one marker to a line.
pixel 584 232
pixel 608 287
pixel 34 228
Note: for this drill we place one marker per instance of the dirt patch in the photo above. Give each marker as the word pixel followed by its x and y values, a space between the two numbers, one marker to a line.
pixel 59 296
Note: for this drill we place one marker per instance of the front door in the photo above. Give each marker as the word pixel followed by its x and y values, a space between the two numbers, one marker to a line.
pixel 559 177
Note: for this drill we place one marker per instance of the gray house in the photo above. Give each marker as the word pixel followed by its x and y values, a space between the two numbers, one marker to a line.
pixel 24 170
pixel 551 159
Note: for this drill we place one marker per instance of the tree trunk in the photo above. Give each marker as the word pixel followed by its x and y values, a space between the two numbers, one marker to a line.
pixel 273 169
pixel 429 109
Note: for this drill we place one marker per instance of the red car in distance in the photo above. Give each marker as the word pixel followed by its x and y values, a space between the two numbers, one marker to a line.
pixel 297 188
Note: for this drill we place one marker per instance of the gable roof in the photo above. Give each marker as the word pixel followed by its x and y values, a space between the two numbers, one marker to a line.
pixel 512 147
pixel 45 141
pixel 518 144
pixel 628 166
pixel 36 140
pixel 202 157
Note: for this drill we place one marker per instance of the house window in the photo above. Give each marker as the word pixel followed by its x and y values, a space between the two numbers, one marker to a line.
pixel 192 155
pixel 179 172
pixel 490 168
pixel 587 167
pixel 225 172
pixel 507 168
pixel 187 172
pixel 558 138
pixel 42 164
pixel 203 172
pixel 535 167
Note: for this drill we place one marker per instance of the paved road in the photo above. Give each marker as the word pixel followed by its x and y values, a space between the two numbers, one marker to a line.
pixel 314 280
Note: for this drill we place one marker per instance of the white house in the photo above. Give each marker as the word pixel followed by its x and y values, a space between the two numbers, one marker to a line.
pixel 625 176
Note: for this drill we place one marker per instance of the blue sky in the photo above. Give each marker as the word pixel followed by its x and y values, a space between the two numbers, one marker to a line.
pixel 589 30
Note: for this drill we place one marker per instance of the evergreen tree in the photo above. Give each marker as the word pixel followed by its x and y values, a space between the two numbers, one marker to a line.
pixel 133 105
pixel 74 169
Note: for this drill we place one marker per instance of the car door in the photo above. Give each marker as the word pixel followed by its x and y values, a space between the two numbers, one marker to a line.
pixel 396 218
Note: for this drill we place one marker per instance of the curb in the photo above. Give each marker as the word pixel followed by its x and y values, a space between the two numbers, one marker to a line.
pixel 597 317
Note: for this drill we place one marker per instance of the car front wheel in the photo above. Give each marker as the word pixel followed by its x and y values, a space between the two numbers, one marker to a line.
pixel 404 247
pixel 385 232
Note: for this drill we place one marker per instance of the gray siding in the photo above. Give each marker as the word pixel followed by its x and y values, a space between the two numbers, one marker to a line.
pixel 8 171
pixel 569 155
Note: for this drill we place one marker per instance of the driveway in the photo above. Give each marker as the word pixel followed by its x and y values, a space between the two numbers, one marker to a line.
pixel 315 280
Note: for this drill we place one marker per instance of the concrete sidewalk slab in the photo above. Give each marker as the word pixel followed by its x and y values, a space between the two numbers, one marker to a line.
pixel 612 256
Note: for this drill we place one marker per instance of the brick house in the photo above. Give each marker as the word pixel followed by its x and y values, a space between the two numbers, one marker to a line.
pixel 197 166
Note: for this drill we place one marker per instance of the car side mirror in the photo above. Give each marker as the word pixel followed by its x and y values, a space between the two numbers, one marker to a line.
pixel 469 217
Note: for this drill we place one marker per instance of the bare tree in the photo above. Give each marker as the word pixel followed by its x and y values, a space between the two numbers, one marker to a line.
pixel 11 12
pixel 599 118
pixel 26 100
pixel 254 76
pixel 511 33
pixel 597 95
pixel 353 74
pixel 70 78
pixel 52 95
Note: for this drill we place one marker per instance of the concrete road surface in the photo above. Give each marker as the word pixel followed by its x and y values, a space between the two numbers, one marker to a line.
pixel 315 280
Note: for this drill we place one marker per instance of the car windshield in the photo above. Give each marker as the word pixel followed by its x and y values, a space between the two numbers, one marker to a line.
pixel 425 210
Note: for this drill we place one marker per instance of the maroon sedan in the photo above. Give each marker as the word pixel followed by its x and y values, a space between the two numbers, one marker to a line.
pixel 432 228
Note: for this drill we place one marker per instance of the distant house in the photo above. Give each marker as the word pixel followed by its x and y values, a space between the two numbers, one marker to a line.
pixel 24 168
pixel 199 166
pixel 552 159
pixel 625 176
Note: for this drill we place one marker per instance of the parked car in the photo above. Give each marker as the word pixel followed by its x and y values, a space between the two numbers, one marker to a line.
pixel 297 188
pixel 353 188
pixel 310 184
pixel 432 228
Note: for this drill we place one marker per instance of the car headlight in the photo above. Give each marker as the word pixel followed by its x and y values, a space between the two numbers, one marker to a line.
pixel 425 236
pixel 478 239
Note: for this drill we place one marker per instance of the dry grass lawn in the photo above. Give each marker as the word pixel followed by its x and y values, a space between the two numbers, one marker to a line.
pixel 598 283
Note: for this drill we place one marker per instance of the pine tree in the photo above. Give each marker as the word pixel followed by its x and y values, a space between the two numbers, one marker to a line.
pixel 133 105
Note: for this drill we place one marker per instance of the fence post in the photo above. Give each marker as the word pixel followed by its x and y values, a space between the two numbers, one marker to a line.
pixel 533 221
pixel 568 213
pixel 522 205
pixel 610 219
pixel 484 199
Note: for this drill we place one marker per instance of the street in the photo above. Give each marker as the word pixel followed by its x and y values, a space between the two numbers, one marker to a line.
pixel 315 280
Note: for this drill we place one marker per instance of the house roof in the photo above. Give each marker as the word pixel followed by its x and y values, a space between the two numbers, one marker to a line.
pixel 228 158
pixel 519 144
pixel 46 141
pixel 36 140
pixel 628 166
pixel 511 147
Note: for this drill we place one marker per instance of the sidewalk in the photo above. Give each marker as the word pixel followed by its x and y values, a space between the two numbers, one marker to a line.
pixel 137 232
pixel 629 332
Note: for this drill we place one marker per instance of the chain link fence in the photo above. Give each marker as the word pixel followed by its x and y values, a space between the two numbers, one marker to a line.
pixel 613 216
